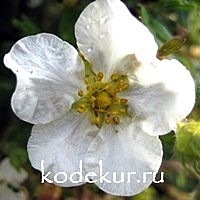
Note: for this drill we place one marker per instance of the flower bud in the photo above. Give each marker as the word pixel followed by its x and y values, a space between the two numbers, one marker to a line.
pixel 150 194
pixel 170 47
pixel 187 144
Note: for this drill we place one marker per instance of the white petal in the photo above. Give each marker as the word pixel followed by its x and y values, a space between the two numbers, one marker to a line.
pixel 106 32
pixel 10 175
pixel 61 144
pixel 126 149
pixel 162 94
pixel 48 74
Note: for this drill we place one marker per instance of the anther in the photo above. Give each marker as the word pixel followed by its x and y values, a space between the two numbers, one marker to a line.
pixel 107 120
pixel 101 110
pixel 121 84
pixel 81 108
pixel 95 120
pixel 101 98
pixel 122 110
pixel 114 113
pixel 125 86
pixel 100 76
pixel 88 88
pixel 114 77
pixel 86 80
pixel 123 101
pixel 116 120
pixel 98 120
pixel 80 93
pixel 118 89
pixel 106 87
pixel 92 104
pixel 92 99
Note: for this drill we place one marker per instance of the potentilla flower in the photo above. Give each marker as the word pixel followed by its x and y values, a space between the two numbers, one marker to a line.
pixel 107 102
pixel 10 181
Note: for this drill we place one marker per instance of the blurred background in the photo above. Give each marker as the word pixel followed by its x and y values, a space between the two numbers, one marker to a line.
pixel 176 27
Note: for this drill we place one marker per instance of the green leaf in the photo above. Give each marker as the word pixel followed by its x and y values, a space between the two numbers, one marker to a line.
pixel 145 15
pixel 157 28
pixel 25 25
pixel 161 32
pixel 66 23
pixel 168 143
pixel 194 26
pixel 177 5
pixel 18 157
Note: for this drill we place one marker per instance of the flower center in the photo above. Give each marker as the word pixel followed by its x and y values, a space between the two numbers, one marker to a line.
pixel 101 98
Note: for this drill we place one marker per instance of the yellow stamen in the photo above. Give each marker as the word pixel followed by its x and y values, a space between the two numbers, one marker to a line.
pixel 81 108
pixel 125 86
pixel 92 104
pixel 95 120
pixel 101 99
pixel 116 119
pixel 86 80
pixel 107 120
pixel 80 93
pixel 92 99
pixel 114 113
pixel 88 87
pixel 114 77
pixel 100 76
pixel 122 110
pixel 123 101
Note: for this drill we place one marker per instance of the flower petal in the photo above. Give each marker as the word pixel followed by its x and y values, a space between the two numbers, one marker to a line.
pixel 125 150
pixel 62 145
pixel 48 74
pixel 106 32
pixel 162 94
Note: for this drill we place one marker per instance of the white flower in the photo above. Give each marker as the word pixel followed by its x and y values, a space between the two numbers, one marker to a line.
pixel 6 193
pixel 124 95
pixel 10 176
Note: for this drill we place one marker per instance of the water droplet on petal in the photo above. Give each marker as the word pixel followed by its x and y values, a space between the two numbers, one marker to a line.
pixel 89 50
pixel 104 21
pixel 101 36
